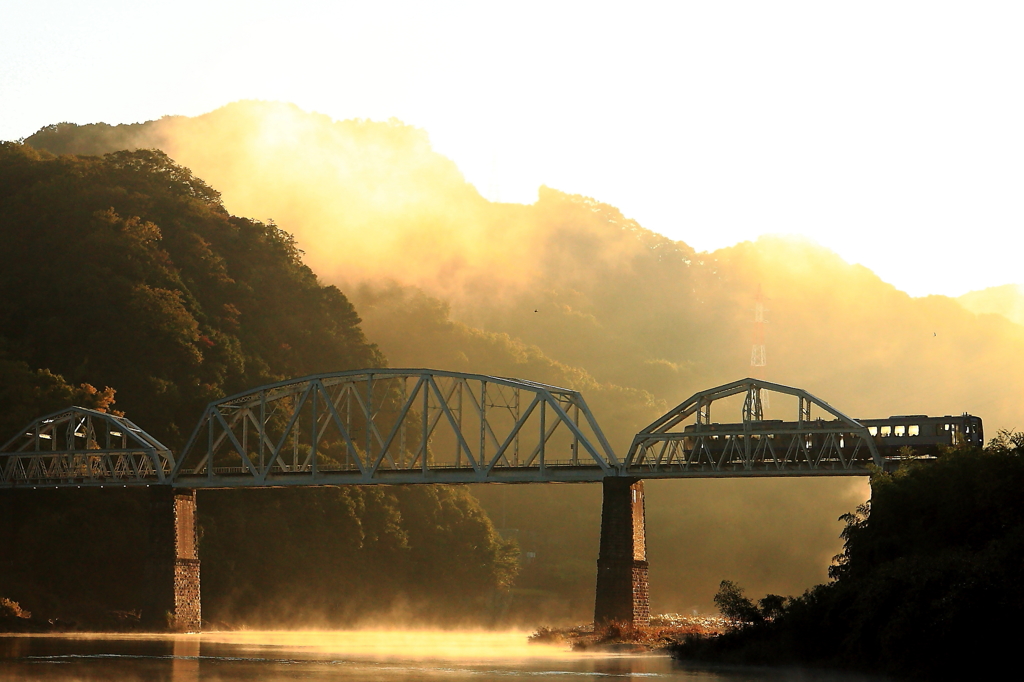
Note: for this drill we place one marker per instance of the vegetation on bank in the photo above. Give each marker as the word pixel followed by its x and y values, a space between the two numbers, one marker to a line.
pixel 930 580
pixel 126 272
pixel 663 631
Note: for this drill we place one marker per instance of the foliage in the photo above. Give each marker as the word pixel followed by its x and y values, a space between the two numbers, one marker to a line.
pixel 734 605
pixel 12 609
pixel 126 270
pixel 930 570
pixel 26 394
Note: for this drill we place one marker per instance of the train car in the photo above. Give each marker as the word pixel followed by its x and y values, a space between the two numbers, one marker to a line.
pixel 898 438
pixel 923 433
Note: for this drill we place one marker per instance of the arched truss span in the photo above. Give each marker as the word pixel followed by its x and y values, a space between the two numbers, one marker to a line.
pixel 685 441
pixel 77 446
pixel 395 426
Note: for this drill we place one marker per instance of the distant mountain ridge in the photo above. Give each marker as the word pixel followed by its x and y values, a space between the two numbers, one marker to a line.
pixel 1006 300
pixel 569 291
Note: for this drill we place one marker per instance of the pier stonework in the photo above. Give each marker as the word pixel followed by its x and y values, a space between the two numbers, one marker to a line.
pixel 622 563
pixel 172 562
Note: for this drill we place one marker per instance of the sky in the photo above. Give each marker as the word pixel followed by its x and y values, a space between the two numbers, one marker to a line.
pixel 890 132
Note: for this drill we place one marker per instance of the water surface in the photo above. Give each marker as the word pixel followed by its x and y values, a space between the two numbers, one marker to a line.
pixel 367 656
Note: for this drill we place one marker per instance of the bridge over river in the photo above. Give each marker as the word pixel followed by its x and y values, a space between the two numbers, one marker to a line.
pixel 416 426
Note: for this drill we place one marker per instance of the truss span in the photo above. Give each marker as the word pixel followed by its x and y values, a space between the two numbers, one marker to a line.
pixel 81 447
pixel 395 426
pixel 685 442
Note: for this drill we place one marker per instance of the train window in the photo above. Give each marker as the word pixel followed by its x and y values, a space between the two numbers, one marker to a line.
pixel 913 430
pixel 947 427
pixel 886 431
pixel 938 429
pixel 873 430
pixel 900 430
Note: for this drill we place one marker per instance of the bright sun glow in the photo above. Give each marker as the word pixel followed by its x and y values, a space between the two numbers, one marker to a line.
pixel 887 132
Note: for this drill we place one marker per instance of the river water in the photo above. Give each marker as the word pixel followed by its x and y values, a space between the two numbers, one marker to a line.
pixel 367 656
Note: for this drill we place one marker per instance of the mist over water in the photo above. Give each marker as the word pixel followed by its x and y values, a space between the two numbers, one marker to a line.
pixel 568 291
pixel 372 655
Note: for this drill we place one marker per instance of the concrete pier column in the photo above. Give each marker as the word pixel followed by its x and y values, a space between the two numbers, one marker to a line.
pixel 622 562
pixel 172 562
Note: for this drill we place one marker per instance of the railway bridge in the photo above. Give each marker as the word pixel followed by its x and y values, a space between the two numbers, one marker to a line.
pixel 420 426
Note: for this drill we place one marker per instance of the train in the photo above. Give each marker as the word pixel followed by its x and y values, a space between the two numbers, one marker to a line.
pixel 926 435
pixel 897 438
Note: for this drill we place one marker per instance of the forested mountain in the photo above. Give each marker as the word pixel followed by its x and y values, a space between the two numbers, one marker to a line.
pixel 126 272
pixel 570 291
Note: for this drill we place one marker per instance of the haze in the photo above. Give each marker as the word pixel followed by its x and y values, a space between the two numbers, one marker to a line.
pixel 570 292
pixel 888 132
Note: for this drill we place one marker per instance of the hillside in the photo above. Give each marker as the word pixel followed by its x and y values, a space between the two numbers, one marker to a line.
pixel 126 272
pixel 570 291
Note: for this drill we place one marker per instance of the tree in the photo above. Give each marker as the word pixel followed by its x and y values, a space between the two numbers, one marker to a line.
pixel 734 605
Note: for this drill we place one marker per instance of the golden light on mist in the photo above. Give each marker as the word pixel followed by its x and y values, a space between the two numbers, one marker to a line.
pixel 571 292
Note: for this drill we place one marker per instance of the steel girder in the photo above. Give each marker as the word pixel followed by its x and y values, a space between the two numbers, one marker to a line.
pixel 675 446
pixel 393 426
pixel 80 447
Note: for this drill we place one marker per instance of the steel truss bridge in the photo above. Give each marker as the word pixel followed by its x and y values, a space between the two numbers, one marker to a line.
pixel 401 426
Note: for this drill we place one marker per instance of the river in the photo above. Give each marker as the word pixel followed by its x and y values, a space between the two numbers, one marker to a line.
pixel 366 656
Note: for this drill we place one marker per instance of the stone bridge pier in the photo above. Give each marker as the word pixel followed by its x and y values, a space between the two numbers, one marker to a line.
pixel 172 562
pixel 622 562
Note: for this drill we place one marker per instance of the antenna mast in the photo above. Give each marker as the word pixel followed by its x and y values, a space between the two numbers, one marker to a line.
pixel 758 357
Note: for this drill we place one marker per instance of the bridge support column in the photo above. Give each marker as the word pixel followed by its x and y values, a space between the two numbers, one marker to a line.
pixel 172 562
pixel 622 562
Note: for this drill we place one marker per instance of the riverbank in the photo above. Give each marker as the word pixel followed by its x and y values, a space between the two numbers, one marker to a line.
pixel 664 632
pixel 15 620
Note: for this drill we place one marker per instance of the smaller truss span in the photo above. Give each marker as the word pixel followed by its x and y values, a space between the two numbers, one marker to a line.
pixel 685 442
pixel 395 426
pixel 77 447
